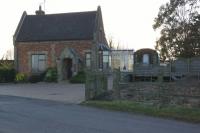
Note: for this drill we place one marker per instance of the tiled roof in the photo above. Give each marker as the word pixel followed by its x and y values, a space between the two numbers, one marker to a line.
pixel 54 27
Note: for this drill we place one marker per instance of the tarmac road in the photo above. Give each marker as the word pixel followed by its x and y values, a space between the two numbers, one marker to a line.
pixel 24 115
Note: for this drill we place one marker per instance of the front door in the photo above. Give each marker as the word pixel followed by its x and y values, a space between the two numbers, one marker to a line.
pixel 68 68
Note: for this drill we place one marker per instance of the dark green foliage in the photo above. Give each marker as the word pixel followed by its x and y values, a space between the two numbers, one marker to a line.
pixel 7 74
pixel 21 78
pixel 179 22
pixel 42 75
pixel 35 78
pixel 7 63
pixel 51 75
pixel 79 78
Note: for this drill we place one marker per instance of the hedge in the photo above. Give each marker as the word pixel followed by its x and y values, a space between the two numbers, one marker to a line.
pixel 7 75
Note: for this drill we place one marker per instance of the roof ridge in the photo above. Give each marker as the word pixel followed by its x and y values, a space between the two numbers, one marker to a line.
pixel 83 12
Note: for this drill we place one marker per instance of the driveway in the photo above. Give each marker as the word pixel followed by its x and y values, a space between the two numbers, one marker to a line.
pixel 64 92
pixel 23 115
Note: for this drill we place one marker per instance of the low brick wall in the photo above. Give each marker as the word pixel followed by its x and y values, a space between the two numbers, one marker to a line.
pixel 186 93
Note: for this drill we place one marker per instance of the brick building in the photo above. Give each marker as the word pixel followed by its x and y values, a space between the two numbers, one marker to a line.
pixel 62 40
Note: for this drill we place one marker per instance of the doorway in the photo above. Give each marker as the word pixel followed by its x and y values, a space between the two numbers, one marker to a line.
pixel 67 67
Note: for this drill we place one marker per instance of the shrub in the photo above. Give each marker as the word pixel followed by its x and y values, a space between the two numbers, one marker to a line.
pixel 7 74
pixel 79 78
pixel 42 75
pixel 37 77
pixel 21 78
pixel 7 63
pixel 34 78
pixel 51 75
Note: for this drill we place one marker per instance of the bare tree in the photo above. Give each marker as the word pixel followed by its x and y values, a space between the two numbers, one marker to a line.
pixel 110 42
pixel 113 45
pixel 9 55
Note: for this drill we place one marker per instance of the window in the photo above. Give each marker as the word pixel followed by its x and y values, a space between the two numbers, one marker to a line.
pixel 146 59
pixel 106 59
pixel 88 59
pixel 100 60
pixel 38 63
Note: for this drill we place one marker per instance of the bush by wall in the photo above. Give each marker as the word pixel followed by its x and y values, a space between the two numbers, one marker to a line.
pixel 51 75
pixel 79 78
pixel 21 78
pixel 34 79
pixel 7 74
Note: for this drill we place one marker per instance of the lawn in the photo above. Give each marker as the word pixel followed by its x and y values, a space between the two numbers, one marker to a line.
pixel 173 112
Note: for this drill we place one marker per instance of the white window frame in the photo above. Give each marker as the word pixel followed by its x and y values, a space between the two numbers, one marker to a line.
pixel 146 59
pixel 88 59
pixel 39 60
pixel 106 59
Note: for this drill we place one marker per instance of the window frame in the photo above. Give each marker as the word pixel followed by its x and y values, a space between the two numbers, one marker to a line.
pixel 39 60
pixel 88 59
pixel 105 59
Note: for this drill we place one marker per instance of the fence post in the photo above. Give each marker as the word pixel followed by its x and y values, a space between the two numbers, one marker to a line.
pixel 96 84
pixel 160 75
pixel 170 69
pixel 116 81
pixel 90 85
pixel 188 62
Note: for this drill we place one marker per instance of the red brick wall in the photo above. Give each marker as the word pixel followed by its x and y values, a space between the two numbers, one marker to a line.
pixel 23 48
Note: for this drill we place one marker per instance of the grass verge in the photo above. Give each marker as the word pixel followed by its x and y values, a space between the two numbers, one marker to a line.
pixel 178 113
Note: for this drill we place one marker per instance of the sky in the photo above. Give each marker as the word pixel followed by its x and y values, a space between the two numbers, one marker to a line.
pixel 127 22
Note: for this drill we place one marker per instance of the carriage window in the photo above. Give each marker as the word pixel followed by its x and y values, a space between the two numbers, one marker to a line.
pixel 38 63
pixel 106 59
pixel 88 59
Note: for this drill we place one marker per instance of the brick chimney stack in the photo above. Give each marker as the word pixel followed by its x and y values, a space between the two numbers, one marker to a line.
pixel 40 11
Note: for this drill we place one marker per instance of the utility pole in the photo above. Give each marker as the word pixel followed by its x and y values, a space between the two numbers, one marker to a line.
pixel 44 5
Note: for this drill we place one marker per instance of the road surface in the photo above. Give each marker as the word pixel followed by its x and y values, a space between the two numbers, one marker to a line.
pixel 24 115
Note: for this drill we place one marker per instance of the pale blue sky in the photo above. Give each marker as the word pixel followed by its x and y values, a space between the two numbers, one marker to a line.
pixel 129 22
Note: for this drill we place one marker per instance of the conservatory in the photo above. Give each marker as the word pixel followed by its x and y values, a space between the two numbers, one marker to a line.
pixel 122 59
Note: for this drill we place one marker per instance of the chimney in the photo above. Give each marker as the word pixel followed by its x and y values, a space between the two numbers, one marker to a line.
pixel 40 11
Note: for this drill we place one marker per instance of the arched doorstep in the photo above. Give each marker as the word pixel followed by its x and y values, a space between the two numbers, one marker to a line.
pixel 67 64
